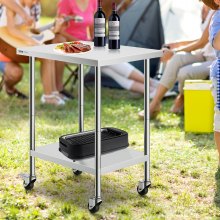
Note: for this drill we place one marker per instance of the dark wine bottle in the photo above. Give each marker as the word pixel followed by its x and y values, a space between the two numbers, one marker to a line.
pixel 114 29
pixel 99 27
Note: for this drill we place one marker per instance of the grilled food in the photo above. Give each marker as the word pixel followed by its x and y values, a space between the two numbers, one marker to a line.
pixel 73 47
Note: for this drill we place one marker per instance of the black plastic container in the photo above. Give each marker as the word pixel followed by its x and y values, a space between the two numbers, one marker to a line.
pixel 82 145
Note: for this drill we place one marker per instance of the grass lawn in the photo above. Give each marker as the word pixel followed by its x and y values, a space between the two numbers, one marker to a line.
pixel 185 181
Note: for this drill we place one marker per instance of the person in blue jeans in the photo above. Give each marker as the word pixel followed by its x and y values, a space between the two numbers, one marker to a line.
pixel 214 38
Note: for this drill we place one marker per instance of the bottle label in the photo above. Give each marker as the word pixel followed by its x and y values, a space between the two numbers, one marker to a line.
pixel 114 30
pixel 99 27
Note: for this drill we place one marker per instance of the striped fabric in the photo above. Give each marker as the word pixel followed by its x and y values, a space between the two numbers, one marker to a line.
pixel 36 12
pixel 1 10
pixel 218 85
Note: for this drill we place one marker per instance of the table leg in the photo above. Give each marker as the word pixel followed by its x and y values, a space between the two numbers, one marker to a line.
pixel 29 179
pixel 147 120
pixel 80 105
pixel 96 201
pixel 81 98
pixel 145 184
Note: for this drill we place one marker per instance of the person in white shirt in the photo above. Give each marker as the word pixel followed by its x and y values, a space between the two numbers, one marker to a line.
pixel 13 71
pixel 187 60
pixel 12 5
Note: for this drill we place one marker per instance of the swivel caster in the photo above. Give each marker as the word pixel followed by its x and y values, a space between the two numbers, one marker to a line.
pixel 77 172
pixel 28 182
pixel 28 187
pixel 94 204
pixel 142 187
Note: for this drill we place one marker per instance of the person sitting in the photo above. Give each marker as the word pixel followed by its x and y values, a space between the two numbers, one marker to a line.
pixel 129 78
pixel 126 75
pixel 13 20
pixel 12 5
pixel 13 72
pixel 59 38
pixel 187 60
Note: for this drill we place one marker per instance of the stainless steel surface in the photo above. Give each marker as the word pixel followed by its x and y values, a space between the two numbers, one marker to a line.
pixel 95 57
pixel 147 118
pixel 32 114
pixel 98 132
pixel 110 162
pixel 81 98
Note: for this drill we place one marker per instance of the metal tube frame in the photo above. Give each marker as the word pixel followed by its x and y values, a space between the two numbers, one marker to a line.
pixel 147 120
pixel 98 133
pixel 81 98
pixel 32 115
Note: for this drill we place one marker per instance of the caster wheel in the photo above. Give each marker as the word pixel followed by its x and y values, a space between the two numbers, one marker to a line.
pixel 77 172
pixel 30 186
pixel 94 209
pixel 143 191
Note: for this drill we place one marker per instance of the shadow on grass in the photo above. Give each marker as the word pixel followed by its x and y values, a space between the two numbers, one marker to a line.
pixel 78 189
pixel 202 140
pixel 159 124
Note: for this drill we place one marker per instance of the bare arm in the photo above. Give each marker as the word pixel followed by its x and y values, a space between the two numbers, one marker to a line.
pixel 13 29
pixel 91 32
pixel 194 45
pixel 12 5
pixel 63 32
pixel 198 44
pixel 179 44
pixel 216 42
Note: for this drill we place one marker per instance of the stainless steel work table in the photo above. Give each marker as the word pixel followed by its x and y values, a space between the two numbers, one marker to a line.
pixel 100 164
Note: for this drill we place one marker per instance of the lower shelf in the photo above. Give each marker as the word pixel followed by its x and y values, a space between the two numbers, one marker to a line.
pixel 109 162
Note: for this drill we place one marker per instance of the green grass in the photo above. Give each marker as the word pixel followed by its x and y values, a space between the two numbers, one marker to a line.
pixel 185 184
pixel 185 181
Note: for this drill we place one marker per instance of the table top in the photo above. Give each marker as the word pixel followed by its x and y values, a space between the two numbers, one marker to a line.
pixel 96 57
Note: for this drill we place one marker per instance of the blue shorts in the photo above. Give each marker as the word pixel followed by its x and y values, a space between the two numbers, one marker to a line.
pixel 2 66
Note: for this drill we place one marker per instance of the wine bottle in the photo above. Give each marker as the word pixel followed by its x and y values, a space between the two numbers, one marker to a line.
pixel 114 29
pixel 99 27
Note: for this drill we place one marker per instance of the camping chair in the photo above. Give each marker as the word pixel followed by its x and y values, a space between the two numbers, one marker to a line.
pixel 72 79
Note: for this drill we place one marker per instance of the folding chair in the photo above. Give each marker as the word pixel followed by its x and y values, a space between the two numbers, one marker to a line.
pixel 72 79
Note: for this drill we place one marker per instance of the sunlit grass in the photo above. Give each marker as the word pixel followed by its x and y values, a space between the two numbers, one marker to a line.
pixel 183 166
pixel 185 184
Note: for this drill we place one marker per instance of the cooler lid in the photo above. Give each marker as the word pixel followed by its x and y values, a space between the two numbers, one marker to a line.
pixel 197 85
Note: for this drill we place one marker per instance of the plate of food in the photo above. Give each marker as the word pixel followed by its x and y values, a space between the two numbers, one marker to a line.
pixel 72 47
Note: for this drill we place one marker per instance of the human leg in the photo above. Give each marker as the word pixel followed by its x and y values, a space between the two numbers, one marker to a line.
pixel 170 76
pixel 122 81
pixel 199 70
pixel 13 74
pixel 49 83
pixel 59 66
pixel 126 70
pixel 216 118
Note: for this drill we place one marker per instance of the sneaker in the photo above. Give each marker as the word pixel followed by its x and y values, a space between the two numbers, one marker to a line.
pixel 52 100
pixel 170 93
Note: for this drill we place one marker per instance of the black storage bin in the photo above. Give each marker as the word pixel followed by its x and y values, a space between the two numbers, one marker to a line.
pixel 82 145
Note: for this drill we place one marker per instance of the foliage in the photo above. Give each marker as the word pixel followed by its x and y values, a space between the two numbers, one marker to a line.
pixel 49 9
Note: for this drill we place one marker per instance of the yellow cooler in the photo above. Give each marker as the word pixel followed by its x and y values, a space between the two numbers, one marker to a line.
pixel 198 106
